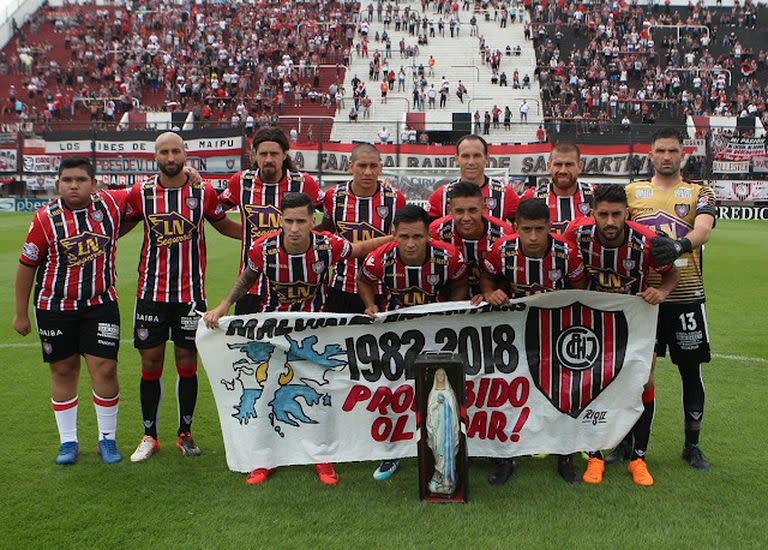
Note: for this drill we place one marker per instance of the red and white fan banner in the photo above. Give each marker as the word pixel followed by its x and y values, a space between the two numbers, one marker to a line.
pixel 559 372
pixel 740 190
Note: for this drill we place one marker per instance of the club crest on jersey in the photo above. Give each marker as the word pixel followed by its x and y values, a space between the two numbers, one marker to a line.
pixel 554 275
pixel 47 347
pixel 682 209
pixel 97 216
pixel 142 333
pixel 565 353
pixel 583 207
pixel 433 278
pixel 84 248
pixel 171 228
pixel 491 202
pixel 191 202
pixel 318 267
pixel 382 211
pixel 628 264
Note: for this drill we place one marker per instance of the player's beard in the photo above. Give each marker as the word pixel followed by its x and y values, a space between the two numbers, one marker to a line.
pixel 269 173
pixel 564 181
pixel 175 169
pixel 669 170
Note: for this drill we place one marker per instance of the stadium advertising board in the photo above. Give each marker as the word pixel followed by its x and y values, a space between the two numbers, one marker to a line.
pixel 555 373
pixel 528 160
pixel 23 204
pixel 213 151
pixel 742 213
pixel 740 190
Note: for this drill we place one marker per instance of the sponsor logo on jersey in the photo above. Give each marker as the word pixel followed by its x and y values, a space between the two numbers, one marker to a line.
pixel 84 247
pixel 294 293
pixel 358 231
pixel 607 280
pixel 412 296
pixel 643 193
pixel 31 251
pixel 682 209
pixel 565 353
pixel 262 220
pixel 683 193
pixel 170 228
pixel 50 332
pixel 148 317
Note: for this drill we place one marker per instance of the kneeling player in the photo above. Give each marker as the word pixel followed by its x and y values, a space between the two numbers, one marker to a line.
pixel 529 262
pixel 617 255
pixel 71 246
pixel 293 264
pixel 412 270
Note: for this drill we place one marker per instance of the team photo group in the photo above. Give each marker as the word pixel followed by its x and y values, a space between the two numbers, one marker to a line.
pixel 357 247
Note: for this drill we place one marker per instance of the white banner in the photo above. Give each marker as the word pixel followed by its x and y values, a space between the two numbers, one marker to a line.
pixel 731 148
pixel 740 190
pixel 8 160
pixel 760 164
pixel 730 167
pixel 555 373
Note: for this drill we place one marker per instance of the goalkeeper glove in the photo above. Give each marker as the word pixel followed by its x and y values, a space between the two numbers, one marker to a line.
pixel 665 250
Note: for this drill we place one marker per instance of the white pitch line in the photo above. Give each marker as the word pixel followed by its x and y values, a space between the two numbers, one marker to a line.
pixel 18 345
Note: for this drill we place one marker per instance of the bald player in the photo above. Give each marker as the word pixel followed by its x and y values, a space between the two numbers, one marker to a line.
pixel 171 287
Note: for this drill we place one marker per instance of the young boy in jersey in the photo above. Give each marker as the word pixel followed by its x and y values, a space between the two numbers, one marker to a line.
pixel 532 261
pixel 70 250
pixel 413 270
pixel 469 228
pixel 171 286
pixel 618 257
pixel 293 265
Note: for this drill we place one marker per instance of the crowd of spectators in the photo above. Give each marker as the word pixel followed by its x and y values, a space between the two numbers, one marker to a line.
pixel 610 62
pixel 218 59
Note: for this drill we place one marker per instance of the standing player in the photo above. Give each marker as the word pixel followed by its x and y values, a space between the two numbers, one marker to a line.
pixel 529 262
pixel 617 256
pixel 293 266
pixel 567 198
pixel 472 158
pixel 258 194
pixel 686 212
pixel 70 250
pixel 358 210
pixel 413 270
pixel 171 284
pixel 469 228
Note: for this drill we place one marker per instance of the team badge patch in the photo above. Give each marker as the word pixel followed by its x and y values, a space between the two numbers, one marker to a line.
pixel 191 202
pixel 682 209
pixel 47 347
pixel 491 202
pixel 583 207
pixel 318 267
pixel 628 264
pixel 97 215
pixel 382 211
pixel 554 275
pixel 142 333
pixel 574 353
pixel 433 278
pixel 31 251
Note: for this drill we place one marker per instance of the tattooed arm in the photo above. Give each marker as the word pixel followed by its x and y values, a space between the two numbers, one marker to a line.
pixel 246 280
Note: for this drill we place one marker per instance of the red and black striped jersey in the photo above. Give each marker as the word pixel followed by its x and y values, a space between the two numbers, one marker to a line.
pixel 172 264
pixel 74 252
pixel 443 229
pixel 564 209
pixel 527 276
pixel 359 219
pixel 295 282
pixel 623 269
pixel 500 198
pixel 412 285
pixel 259 204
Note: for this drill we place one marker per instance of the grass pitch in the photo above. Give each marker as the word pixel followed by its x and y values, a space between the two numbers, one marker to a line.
pixel 172 501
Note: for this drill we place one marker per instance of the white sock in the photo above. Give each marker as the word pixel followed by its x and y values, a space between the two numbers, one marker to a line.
pixel 66 419
pixel 106 415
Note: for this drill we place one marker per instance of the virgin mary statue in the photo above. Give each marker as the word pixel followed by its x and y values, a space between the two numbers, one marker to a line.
pixel 443 433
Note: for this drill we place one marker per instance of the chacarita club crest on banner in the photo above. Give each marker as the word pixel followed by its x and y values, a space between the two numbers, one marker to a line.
pixel 264 362
pixel 574 353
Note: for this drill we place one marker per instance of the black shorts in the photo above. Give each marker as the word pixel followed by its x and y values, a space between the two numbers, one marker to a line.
pixel 683 329
pixel 94 331
pixel 152 321
pixel 250 303
pixel 347 302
